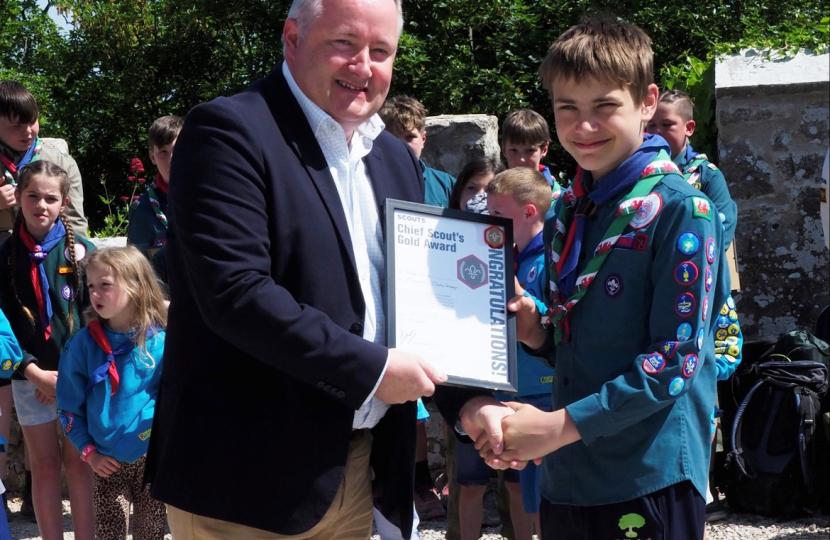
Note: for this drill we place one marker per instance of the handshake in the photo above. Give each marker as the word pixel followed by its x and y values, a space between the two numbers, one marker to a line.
pixel 508 435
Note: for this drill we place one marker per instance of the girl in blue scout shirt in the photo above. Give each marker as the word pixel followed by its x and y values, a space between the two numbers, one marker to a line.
pixel 42 297
pixel 107 385
pixel 10 356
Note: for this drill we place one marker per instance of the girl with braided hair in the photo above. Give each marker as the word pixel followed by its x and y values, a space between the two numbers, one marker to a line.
pixel 42 295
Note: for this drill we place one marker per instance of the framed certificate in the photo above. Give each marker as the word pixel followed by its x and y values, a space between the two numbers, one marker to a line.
pixel 449 277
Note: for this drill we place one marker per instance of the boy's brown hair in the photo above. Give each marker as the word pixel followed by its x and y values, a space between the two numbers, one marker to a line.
pixel 164 131
pixel 17 103
pixel 402 114
pixel 681 102
pixel 525 126
pixel 607 50
pixel 524 185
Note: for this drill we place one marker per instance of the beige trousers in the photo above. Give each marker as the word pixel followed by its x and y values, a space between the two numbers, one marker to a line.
pixel 348 518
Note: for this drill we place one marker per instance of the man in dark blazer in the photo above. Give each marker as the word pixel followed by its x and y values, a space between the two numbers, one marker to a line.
pixel 275 335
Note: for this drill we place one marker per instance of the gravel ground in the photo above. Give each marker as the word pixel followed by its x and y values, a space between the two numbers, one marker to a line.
pixel 734 527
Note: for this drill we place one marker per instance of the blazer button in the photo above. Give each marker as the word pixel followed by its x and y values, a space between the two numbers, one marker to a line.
pixel 356 329
pixel 341 394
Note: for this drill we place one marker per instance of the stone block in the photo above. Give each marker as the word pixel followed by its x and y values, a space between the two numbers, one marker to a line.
pixel 453 140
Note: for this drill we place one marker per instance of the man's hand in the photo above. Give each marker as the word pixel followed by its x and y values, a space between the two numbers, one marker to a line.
pixel 7 196
pixel 528 319
pixel 101 464
pixel 407 378
pixel 481 417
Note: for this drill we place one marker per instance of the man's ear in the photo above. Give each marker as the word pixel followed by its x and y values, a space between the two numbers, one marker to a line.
pixel 291 39
pixel 690 128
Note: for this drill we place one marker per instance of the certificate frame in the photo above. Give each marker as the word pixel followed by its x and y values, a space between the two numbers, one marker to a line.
pixel 452 271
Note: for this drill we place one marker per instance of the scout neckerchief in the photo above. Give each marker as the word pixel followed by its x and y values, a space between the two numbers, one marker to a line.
pixel 691 162
pixel 40 283
pixel 108 369
pixel 9 167
pixel 567 289
pixel 161 185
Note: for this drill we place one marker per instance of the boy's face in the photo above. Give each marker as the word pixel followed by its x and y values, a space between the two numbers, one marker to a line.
pixel 599 123
pixel 415 139
pixel 18 135
pixel 669 125
pixel 524 155
pixel 506 206
pixel 161 156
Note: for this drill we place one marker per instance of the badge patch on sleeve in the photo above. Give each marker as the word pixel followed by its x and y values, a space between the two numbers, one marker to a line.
pixel 676 386
pixel 688 243
pixel 654 363
pixel 689 365
pixel 699 343
pixel 686 273
pixel 704 309
pixel 721 334
pixel 701 208
pixel 708 278
pixel 669 348
pixel 649 208
pixel 684 332
pixel 711 248
pixel 685 305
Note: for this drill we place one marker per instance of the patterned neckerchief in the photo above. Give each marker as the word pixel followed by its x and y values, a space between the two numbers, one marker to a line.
pixel 10 168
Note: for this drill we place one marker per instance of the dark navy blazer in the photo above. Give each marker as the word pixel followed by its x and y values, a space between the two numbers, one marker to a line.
pixel 264 364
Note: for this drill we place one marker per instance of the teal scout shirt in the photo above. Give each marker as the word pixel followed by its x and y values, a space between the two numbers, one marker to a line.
pixel 437 186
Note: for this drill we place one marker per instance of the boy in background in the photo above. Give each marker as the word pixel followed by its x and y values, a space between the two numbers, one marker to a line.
pixel 406 118
pixel 525 141
pixel 635 268
pixel 147 229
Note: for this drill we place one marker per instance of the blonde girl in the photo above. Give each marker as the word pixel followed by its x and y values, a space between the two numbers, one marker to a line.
pixel 42 296
pixel 107 385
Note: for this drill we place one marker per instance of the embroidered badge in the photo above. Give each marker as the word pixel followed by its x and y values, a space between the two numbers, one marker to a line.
pixel 733 350
pixel 688 243
pixel 730 302
pixel 494 237
pixel 707 278
pixel 710 250
pixel 723 321
pixel 729 358
pixel 701 208
pixel 733 330
pixel 7 364
pixel 67 293
pixel 144 435
pixel 721 334
pixel 684 332
pixel 531 275
pixel 613 285
pixel 676 386
pixel 704 308
pixel 685 305
pixel 649 208
pixel 699 343
pixel 65 270
pixel 733 315
pixel 640 242
pixel 731 340
pixel 67 421
pixel 669 348
pixel 625 241
pixel 80 253
pixel 686 273
pixel 654 363
pixel 689 365
pixel 724 310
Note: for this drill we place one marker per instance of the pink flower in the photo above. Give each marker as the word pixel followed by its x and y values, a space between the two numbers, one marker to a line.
pixel 136 165
pixel 142 180
pixel 131 178
pixel 135 196
pixel 125 198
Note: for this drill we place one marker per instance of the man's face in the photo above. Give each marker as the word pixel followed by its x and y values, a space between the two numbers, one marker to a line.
pixel 18 135
pixel 669 125
pixel 524 155
pixel 599 123
pixel 343 63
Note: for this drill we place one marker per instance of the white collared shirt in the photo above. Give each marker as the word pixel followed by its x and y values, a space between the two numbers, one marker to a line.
pixel 345 161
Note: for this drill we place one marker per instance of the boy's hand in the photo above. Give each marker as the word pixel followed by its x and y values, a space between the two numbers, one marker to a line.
pixel 481 417
pixel 7 196
pixel 528 319
pixel 101 464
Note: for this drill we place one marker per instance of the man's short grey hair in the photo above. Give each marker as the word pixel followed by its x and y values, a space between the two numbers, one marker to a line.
pixel 305 11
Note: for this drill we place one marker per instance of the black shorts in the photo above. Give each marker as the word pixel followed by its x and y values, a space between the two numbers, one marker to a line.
pixel 677 512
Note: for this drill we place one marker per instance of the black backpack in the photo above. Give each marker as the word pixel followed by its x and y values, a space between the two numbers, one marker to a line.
pixel 777 445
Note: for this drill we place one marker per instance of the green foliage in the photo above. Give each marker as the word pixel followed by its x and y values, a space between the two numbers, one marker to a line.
pixel 126 62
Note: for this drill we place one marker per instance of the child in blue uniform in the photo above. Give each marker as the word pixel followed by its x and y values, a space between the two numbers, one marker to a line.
pixel 42 295
pixel 634 266
pixel 524 142
pixel 10 356
pixel 107 384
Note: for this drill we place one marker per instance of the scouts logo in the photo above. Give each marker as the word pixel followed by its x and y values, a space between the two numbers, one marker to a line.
pixel 676 386
pixel 707 278
pixel 80 253
pixel 684 305
pixel 640 242
pixel 7 365
pixel 710 250
pixel 684 332
pixel 654 363
pixel 688 243
pixel 689 365
pixel 669 348
pixel 472 272
pixel 702 208
pixel 705 308
pixel 649 208
pixel 494 237
pixel 686 273
pixel 700 334
pixel 67 293
pixel 613 285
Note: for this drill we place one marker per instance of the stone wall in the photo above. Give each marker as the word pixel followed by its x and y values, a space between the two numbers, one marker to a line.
pixel 773 120
pixel 453 140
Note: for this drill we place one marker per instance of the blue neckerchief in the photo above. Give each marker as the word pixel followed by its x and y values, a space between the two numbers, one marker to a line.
pixel 536 246
pixel 53 238
pixel 101 373
pixel 620 180
pixel 27 157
